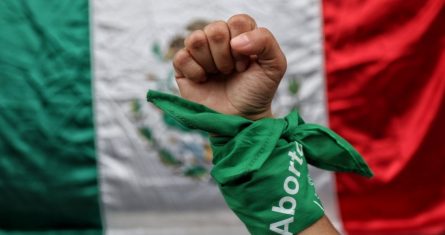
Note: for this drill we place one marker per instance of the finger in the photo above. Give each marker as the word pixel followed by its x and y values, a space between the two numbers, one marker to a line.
pixel 197 45
pixel 261 43
pixel 218 36
pixel 186 67
pixel 239 24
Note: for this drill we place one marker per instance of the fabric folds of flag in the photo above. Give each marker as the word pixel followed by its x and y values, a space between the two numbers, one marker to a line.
pixel 385 66
pixel 385 93
pixel 48 173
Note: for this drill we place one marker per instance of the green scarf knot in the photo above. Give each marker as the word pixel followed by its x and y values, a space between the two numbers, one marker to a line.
pixel 261 166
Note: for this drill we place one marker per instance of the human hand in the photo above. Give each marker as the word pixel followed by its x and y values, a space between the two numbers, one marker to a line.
pixel 232 67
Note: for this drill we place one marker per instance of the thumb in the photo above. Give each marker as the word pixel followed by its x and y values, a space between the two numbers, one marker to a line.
pixel 261 43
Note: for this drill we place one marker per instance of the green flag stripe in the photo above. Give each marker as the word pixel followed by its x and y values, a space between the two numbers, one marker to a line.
pixel 48 172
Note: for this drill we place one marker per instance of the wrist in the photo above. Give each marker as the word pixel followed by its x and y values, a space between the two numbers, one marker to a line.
pixel 258 116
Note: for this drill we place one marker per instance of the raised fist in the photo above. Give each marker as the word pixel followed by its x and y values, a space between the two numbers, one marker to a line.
pixel 232 67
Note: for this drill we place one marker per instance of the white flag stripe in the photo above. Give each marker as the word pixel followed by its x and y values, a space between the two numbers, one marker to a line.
pixel 130 41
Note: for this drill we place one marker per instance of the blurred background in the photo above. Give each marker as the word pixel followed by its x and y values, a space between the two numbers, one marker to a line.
pixel 82 152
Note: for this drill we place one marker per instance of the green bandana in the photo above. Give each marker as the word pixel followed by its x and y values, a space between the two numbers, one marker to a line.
pixel 261 166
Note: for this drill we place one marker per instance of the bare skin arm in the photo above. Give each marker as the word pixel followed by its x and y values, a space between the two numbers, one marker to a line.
pixel 322 227
pixel 234 67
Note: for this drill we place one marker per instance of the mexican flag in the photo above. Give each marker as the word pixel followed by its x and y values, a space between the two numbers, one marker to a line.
pixel 81 152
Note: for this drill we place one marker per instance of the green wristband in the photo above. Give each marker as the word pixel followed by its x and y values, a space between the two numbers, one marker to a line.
pixel 261 166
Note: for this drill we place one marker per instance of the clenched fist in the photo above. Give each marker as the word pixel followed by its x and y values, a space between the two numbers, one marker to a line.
pixel 232 67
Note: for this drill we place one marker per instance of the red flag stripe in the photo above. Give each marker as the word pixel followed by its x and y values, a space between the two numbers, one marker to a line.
pixel 385 68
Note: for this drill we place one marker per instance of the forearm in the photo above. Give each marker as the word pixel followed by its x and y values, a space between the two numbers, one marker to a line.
pixel 322 227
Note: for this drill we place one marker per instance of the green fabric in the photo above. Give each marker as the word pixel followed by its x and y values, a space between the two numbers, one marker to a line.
pixel 48 172
pixel 261 166
pixel 54 232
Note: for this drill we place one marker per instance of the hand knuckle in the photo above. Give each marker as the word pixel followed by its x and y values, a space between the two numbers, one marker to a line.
pixel 196 40
pixel 217 31
pixel 181 58
pixel 241 21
